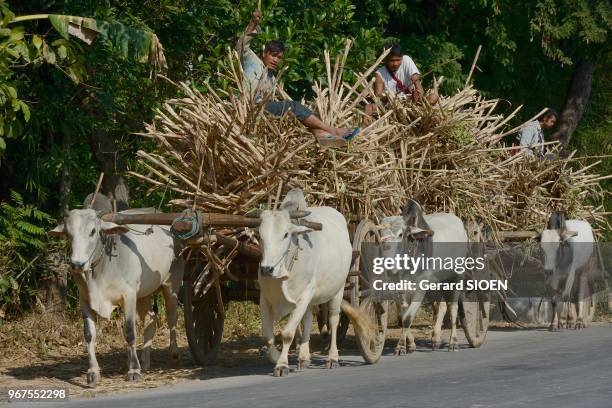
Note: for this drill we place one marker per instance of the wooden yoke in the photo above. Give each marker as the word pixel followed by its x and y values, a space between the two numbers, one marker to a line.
pixel 206 220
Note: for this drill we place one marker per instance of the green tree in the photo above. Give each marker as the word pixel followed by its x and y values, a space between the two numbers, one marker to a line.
pixel 575 33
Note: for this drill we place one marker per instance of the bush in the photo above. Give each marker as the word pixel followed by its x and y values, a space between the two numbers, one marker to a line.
pixel 22 248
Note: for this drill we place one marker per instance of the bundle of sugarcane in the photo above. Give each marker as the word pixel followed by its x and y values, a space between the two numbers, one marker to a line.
pixel 221 152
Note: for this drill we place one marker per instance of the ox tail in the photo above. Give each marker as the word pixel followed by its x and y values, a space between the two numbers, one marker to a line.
pixel 364 327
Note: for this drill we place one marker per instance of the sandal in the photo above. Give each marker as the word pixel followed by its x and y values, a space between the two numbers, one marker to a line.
pixel 351 134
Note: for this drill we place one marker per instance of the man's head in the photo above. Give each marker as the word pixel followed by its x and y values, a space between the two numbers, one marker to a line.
pixel 273 53
pixel 394 58
pixel 548 119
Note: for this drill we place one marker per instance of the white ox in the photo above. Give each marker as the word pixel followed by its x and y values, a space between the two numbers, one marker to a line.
pixel 122 265
pixel 427 230
pixel 568 249
pixel 299 269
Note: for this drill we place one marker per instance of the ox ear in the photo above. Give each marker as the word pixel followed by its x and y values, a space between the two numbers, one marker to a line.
pixel 299 229
pixel 112 228
pixel 58 231
pixel 420 233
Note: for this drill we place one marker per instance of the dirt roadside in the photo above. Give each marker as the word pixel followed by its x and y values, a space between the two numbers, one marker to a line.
pixel 49 351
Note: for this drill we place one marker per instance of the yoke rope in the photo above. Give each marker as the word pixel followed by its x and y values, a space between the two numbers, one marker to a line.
pixel 187 216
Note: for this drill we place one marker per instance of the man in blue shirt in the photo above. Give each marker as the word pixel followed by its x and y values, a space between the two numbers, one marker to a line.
pixel 533 133
pixel 259 80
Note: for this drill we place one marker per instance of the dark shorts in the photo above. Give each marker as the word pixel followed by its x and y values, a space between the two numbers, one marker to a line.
pixel 279 108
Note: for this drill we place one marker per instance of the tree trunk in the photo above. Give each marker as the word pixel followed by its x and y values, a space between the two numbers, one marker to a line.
pixel 107 155
pixel 576 100
pixel 66 179
pixel 114 185
pixel 55 284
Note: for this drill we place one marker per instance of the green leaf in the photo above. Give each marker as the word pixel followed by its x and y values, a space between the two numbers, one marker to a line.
pixel 73 75
pixel 61 52
pixel 48 54
pixel 26 110
pixel 12 92
pixel 60 24
pixel 37 42
pixel 140 45
pixel 16 34
pixel 2 144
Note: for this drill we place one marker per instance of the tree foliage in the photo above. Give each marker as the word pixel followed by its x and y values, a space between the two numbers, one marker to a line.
pixel 22 242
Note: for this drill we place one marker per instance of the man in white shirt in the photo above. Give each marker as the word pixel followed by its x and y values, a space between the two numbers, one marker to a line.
pixel 399 76
pixel 533 133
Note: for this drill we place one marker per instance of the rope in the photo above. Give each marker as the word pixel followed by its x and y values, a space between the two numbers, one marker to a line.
pixel 186 216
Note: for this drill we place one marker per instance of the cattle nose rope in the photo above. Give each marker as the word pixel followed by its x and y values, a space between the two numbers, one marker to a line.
pixel 186 216
pixel 290 256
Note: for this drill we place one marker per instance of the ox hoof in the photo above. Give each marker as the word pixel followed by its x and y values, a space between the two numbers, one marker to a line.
pixel 411 348
pixel 332 364
pixel 436 345
pixel 92 377
pixel 281 371
pixel 303 364
pixel 400 351
pixel 453 346
pixel 579 325
pixel 134 376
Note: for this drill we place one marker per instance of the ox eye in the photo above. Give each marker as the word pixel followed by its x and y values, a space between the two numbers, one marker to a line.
pixel 286 235
pixel 93 231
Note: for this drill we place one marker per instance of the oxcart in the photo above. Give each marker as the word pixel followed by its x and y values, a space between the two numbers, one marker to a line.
pixel 210 240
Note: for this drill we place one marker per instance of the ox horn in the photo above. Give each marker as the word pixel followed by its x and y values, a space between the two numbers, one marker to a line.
pixel 299 214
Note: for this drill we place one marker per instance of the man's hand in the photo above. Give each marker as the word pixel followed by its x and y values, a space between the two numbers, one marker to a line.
pixel 254 21
pixel 256 17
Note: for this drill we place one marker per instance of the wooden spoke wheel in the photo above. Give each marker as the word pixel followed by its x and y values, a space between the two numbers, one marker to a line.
pixel 475 320
pixel 203 319
pixel 359 295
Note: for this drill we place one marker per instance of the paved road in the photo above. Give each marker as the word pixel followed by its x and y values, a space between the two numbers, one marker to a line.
pixel 513 369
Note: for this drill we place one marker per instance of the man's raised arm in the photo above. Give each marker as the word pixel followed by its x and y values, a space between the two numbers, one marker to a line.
pixel 242 46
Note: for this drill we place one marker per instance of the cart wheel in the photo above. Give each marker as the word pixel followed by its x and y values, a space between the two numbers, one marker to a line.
pixel 359 295
pixel 475 320
pixel 203 322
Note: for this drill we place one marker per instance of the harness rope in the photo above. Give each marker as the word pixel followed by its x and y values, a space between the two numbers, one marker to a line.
pixel 186 216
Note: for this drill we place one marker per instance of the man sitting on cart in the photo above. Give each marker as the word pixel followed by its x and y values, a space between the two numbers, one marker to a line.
pixel 259 79
pixel 399 77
